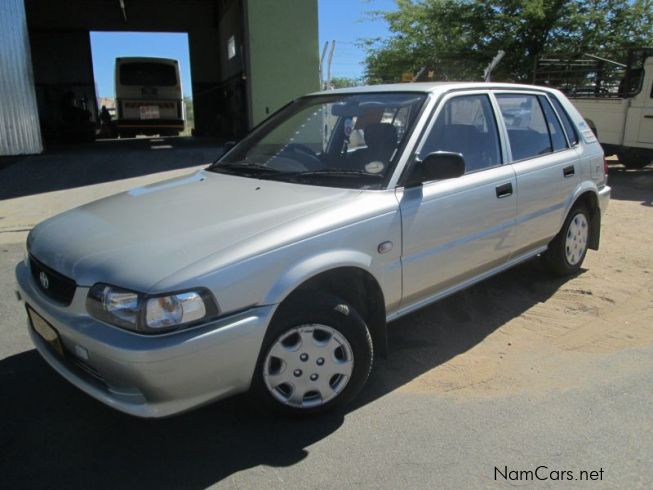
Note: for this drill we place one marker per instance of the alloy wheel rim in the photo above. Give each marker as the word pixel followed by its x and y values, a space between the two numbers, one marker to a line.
pixel 308 366
pixel 576 239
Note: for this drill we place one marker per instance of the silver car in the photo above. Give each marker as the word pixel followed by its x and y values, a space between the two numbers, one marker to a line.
pixel 276 269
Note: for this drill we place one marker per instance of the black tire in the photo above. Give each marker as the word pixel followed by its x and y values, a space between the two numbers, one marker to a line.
pixel 635 159
pixel 556 255
pixel 322 309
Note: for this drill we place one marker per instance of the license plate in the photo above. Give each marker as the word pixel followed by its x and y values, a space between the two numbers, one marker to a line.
pixel 149 112
pixel 46 331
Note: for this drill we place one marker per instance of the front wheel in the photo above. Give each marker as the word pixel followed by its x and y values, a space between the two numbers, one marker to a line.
pixel 567 251
pixel 316 357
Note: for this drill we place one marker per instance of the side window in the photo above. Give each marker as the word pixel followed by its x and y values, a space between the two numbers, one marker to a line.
pixel 566 121
pixel 466 125
pixel 527 128
pixel 555 130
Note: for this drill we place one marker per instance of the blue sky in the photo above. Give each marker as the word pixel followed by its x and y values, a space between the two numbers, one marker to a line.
pixel 107 46
pixel 345 21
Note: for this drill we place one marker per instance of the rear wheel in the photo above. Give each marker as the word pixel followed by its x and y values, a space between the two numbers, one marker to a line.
pixel 567 251
pixel 316 357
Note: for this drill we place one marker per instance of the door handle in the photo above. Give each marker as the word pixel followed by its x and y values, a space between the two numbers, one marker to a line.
pixel 504 190
pixel 568 171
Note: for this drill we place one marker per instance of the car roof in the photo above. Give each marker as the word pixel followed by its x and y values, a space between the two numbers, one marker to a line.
pixel 432 87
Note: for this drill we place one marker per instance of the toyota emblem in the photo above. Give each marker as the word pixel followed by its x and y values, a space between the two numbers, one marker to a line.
pixel 45 282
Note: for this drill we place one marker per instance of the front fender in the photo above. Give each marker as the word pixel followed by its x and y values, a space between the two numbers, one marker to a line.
pixel 314 265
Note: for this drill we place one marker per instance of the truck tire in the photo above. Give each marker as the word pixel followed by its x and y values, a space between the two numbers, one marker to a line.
pixel 635 158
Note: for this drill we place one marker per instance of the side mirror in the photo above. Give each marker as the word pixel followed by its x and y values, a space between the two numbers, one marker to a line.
pixel 439 165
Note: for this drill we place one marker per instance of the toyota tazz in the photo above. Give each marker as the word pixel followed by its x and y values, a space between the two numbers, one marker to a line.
pixel 276 269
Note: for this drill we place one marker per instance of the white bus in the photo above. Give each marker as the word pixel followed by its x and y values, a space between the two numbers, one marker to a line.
pixel 148 97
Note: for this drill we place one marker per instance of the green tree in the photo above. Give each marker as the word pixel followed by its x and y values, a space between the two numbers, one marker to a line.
pixel 456 39
pixel 344 82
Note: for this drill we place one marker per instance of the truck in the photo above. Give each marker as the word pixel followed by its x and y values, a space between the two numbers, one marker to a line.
pixel 615 98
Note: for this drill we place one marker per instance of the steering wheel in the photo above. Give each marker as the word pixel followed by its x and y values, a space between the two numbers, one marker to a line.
pixel 304 155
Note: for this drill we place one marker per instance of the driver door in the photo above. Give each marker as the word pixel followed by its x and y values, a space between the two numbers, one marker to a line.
pixel 457 229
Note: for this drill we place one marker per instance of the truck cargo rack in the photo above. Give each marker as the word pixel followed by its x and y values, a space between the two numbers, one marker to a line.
pixel 590 76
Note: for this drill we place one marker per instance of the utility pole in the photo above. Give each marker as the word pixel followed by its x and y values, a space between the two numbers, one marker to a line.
pixel 321 67
pixel 333 47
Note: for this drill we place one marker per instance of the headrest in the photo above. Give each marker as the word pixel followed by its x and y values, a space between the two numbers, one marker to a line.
pixel 380 135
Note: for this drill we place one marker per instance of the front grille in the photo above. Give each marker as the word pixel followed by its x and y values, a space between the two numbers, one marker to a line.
pixel 55 286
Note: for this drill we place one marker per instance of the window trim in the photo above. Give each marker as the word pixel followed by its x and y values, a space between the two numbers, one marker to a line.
pixel 435 113
pixel 551 97
pixel 543 100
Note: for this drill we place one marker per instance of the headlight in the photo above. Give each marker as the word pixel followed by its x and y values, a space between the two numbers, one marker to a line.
pixel 168 311
pixel 149 314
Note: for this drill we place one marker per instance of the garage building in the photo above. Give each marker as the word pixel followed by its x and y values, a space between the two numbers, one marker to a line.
pixel 248 58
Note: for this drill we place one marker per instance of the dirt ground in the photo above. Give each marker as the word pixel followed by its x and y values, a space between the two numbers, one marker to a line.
pixel 540 333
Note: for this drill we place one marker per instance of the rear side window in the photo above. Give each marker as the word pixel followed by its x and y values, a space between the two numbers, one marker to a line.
pixel 466 125
pixel 566 121
pixel 527 127
pixel 558 139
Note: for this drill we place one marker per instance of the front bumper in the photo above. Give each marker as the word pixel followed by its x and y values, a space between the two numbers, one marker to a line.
pixel 149 376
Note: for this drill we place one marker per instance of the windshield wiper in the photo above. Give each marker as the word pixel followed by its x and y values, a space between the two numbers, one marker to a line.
pixel 251 167
pixel 331 171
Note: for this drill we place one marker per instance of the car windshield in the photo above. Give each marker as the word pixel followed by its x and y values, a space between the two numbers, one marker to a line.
pixel 340 140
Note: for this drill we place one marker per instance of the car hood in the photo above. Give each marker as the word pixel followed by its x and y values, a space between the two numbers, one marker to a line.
pixel 137 238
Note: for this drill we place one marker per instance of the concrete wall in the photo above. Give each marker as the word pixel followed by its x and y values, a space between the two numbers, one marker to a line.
pixel 282 53
pixel 221 97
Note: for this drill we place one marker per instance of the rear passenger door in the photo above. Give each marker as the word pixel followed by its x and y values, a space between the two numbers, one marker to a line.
pixel 546 167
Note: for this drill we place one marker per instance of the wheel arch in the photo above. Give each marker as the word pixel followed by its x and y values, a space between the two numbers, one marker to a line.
pixel 588 196
pixel 352 282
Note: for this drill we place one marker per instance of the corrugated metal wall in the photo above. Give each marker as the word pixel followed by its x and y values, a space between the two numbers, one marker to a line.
pixel 19 118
